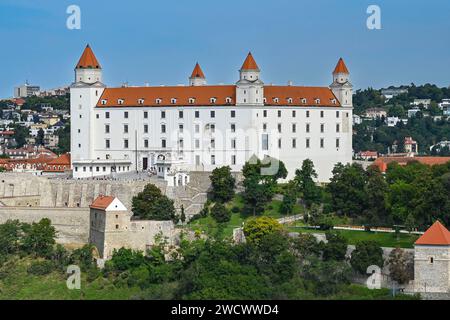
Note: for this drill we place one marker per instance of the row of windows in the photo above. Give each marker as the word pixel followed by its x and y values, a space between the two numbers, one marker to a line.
pixel 101 169
pixel 212 144
pixel 212 114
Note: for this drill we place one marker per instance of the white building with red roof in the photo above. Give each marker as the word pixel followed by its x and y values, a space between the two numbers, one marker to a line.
pixel 201 127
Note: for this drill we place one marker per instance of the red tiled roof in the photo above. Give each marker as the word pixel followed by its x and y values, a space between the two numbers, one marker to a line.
pixel 197 72
pixel 340 67
pixel 102 202
pixel 383 162
pixel 202 95
pixel 63 159
pixel 437 234
pixel 88 60
pixel 249 63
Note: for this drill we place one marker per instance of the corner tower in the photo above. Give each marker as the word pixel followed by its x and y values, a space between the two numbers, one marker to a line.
pixel 341 86
pixel 84 95
pixel 198 77
pixel 249 88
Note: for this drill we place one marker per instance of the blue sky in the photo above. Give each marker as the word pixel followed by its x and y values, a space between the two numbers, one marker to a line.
pixel 159 41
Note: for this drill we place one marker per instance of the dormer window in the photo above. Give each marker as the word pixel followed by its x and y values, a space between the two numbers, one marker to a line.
pixel 120 101
pixel 276 100
pixel 104 101
pixel 265 100
pixel 158 101
pixel 304 100
pixel 317 101
pixel 173 100
pixel 141 101
pixel 212 100
pixel 191 100
pixel 333 101
pixel 228 100
pixel 289 100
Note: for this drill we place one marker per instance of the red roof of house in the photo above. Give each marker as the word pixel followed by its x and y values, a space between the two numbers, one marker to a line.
pixel 437 234
pixel 130 96
pixel 102 202
pixel 368 153
pixel 383 162
pixel 249 63
pixel 340 67
pixel 63 159
pixel 88 60
pixel 197 72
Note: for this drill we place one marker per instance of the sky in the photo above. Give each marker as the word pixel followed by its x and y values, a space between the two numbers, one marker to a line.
pixel 159 41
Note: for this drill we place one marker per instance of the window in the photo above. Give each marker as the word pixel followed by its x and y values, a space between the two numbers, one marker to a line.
pixel 212 100
pixel 321 114
pixel 431 260
pixel 120 101
pixel 180 114
pixel 141 101
pixel 307 113
pixel 213 127
pixel 233 113
pixel 97 116
pixel 264 127
pixel 197 143
pixel 233 127
pixel 289 100
pixel 265 141
pixel 337 114
pixel 145 114
pixel 233 159
pixel 173 101
pixel 145 143
pixel 106 128
pixel 181 143
pixel 322 128
pixel 125 144
pixel 317 101
pixel 338 127
pixel 293 113
pixel 308 127
pixel 107 144
pixel 181 128
pixel 279 113
pixel 212 114
pixel 228 100
pixel 294 128
pixel 233 143
pixel 213 159
pixel 163 143
pixel 337 143
pixel 265 113
pixel 307 143
pixel 81 116
pixel 294 143
pixel 321 142
pixel 125 114
pixel 163 128
pixel 279 143
pixel 125 128
pixel 158 101
pixel 104 101
pixel 107 115
pixel 213 143
pixel 197 128
pixel 79 145
pixel 145 128
pixel 163 114
pixel 279 127
pixel 191 100
pixel 197 114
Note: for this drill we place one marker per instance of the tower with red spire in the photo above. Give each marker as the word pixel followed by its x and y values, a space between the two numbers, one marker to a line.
pixel 197 77
pixel 341 86
pixel 88 69
pixel 249 88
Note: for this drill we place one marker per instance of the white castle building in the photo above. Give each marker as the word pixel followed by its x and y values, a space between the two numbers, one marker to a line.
pixel 173 130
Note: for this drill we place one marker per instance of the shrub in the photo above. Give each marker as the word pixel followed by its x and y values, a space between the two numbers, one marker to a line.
pixel 366 253
pixel 220 213
pixel 235 209
pixel 40 268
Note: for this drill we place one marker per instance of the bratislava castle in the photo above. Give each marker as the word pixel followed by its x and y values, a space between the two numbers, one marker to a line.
pixel 174 130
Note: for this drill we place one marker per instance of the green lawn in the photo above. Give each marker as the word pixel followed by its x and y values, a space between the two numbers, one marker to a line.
pixel 353 237
pixel 209 225
pixel 20 285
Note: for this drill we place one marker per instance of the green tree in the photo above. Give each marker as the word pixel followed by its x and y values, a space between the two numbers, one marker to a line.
pixel 153 205
pixel 289 199
pixel 366 253
pixel 222 184
pixel 40 137
pixel 400 269
pixel 304 179
pixel 376 209
pixel 10 234
pixel 257 228
pixel 335 248
pixel 125 259
pixel 83 257
pixel 39 238
pixel 220 213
